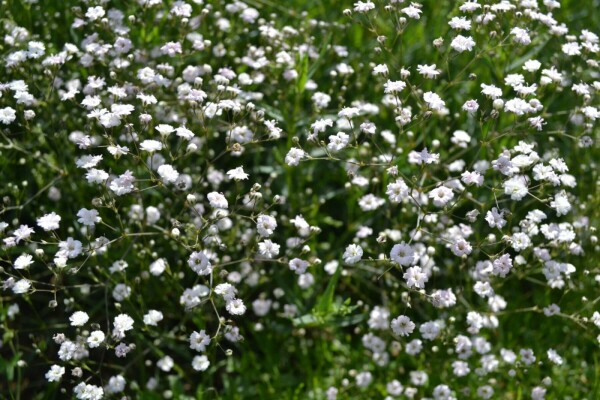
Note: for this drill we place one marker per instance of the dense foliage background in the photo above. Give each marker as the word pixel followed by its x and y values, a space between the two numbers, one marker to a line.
pixel 238 85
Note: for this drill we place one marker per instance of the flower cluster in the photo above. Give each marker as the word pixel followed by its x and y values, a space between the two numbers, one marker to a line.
pixel 363 208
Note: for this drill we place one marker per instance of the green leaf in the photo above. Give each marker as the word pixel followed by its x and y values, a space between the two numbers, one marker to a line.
pixel 302 73
pixel 527 56
pixel 272 112
pixel 332 222
pixel 307 321
pixel 325 303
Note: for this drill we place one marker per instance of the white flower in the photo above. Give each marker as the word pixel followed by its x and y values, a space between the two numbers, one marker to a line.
pixel 121 109
pixel 265 225
pixel 297 265
pixel 362 7
pixel 320 125
pixel 300 223
pixel 117 151
pixel 552 309
pixel 235 307
pixel 394 86
pixel 348 112
pixel 402 254
pixel 495 218
pixel 321 99
pixel 472 178
pixel 268 248
pixel 217 200
pixel 158 267
pixel 152 215
pixel 368 128
pixel 164 129
pixel 121 292
pixel 516 187
pixel 471 106
pixel 237 174
pixel 537 123
pixel 491 91
pixel 591 113
pixel 184 133
pixel 402 326
pixel 118 266
pixel 200 363
pixel 95 339
pixel 561 204
pixel 87 162
pixel 55 373
pixel 168 173
pixel 199 340
pixel 381 69
pixel 443 298
pixel 200 263
pixel 412 11
pixel 94 13
pixel 123 323
pixel 79 318
pixel 517 106
pixel 96 176
pixel 110 120
pixel 23 261
pixel 520 241
pixel 441 195
pixel 21 286
pixel 461 247
pixel 397 191
pixel 370 202
pixel 85 391
pixel 338 142
pixel 415 277
pixel 88 217
pixel 581 89
pixel 502 265
pixel 151 145
pixel 532 65
pixel 294 156
pixel 461 43
pixel 430 330
pixel 7 115
pixel 460 23
pixel 166 363
pixel 527 356
pixel 423 157
pixel 353 254
pixel 520 36
pixel 116 384
pixel 171 49
pixel 153 317
pixel 538 393
pixel 70 248
pixel 364 379
pixel 91 102
pixel 306 280
pixel 571 49
pixel 179 8
pixel 428 71
pixel 22 232
pixel 414 347
pixel 433 101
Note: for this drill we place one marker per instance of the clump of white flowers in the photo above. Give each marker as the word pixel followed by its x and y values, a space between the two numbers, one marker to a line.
pixel 367 208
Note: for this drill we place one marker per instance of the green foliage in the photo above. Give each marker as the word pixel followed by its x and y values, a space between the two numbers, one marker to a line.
pixel 301 356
